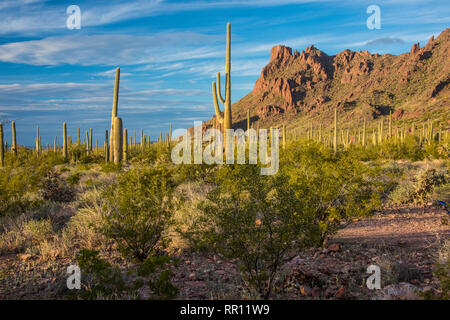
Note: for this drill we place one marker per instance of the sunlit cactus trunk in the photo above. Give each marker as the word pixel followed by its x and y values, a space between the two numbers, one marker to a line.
pixel 216 90
pixel 54 145
pixel 87 142
pixel 2 146
pixel 142 138
pixel 79 137
pixel 335 146
pixel 364 134
pixel 118 140
pixel 114 114
pixel 284 136
pixel 14 139
pixel 390 124
pixel 90 139
pixel 125 145
pixel 105 147
pixel 65 153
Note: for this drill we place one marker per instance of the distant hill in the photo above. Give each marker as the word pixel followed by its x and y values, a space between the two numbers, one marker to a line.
pixel 298 89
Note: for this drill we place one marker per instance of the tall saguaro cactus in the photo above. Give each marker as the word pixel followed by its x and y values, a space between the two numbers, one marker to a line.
pixel 14 139
pixel 65 153
pixel 125 145
pixel 2 146
pixel 335 147
pixel 114 114
pixel 105 147
pixel 226 118
pixel 118 140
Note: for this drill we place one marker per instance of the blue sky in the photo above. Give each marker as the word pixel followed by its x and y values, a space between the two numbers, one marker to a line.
pixel 169 53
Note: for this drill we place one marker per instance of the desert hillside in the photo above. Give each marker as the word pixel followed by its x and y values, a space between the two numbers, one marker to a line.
pixel 308 85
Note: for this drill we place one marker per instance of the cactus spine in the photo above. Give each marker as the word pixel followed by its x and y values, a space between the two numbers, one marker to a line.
pixel 226 118
pixel 335 147
pixel 118 140
pixel 114 114
pixel 2 145
pixel 65 154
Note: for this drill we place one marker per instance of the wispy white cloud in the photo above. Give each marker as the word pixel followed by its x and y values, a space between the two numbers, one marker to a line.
pixel 117 49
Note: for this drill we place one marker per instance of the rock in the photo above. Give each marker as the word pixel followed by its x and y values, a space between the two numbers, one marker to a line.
pixel 340 294
pixel 24 256
pixel 280 52
pixel 195 284
pixel 400 291
pixel 192 276
pixel 297 260
pixel 305 290
pixel 334 247
pixel 316 292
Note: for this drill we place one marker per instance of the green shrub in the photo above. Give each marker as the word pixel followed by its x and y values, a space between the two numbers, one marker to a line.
pixel 256 219
pixel 74 178
pixel 138 210
pixel 419 189
pixel 102 280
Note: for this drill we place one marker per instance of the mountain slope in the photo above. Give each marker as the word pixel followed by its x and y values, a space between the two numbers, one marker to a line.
pixel 300 89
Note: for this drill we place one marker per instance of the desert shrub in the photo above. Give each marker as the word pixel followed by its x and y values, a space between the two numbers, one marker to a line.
pixel 18 181
pixel 23 235
pixel 138 209
pixel 441 271
pixel 53 188
pixel 83 229
pixel 334 188
pixel 256 219
pixel 418 189
pixel 102 280
pixel 74 178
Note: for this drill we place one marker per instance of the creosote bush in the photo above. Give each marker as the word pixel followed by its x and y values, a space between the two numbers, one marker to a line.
pixel 138 210
pixel 254 218
pixel 105 281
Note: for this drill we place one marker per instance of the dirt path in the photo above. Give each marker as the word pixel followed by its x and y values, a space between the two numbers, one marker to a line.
pixel 413 227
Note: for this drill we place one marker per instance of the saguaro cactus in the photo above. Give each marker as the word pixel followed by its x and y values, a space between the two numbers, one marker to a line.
pixel 54 145
pixel 114 114
pixel 364 133
pixel 14 141
pixel 335 147
pixel 226 118
pixel 105 146
pixel 65 154
pixel 90 141
pixel 2 146
pixel 118 140
pixel 125 145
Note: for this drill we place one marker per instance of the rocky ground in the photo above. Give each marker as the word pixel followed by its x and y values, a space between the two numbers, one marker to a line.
pixel 403 242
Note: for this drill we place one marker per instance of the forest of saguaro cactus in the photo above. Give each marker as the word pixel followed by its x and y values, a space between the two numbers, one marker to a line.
pixel 351 190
